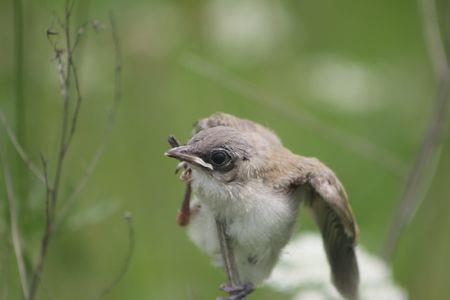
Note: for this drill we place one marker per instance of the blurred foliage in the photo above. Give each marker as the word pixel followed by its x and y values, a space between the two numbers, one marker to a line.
pixel 359 66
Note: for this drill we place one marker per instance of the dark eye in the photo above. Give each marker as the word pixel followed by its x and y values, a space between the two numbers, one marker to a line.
pixel 219 157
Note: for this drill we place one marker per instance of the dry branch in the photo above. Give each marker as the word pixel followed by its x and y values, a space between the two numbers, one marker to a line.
pixel 52 191
pixel 14 224
pixel 67 73
pixel 126 262
pixel 117 95
pixel 23 155
pixel 66 67
pixel 424 166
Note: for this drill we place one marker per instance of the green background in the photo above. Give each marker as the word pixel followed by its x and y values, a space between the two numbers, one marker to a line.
pixel 180 64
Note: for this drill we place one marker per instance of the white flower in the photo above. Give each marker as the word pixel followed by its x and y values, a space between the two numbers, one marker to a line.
pixel 303 270
pixel 349 86
pixel 243 29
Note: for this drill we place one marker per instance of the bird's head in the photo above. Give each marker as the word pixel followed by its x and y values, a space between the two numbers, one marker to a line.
pixel 224 153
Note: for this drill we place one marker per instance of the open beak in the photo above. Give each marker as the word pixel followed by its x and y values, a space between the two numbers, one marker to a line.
pixel 182 153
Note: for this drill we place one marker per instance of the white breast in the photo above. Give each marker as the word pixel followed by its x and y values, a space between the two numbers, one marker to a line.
pixel 260 222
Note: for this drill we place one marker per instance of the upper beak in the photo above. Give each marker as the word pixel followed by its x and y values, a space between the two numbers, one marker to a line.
pixel 182 153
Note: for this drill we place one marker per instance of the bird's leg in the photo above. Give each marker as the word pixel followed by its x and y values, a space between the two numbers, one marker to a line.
pixel 234 288
pixel 238 292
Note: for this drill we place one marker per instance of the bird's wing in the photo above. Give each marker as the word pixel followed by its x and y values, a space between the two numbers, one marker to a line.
pixel 327 200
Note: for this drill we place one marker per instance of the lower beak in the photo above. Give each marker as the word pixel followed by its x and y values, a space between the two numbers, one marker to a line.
pixel 182 153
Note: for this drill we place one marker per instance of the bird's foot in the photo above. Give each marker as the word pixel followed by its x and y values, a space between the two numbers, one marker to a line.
pixel 181 166
pixel 186 172
pixel 236 292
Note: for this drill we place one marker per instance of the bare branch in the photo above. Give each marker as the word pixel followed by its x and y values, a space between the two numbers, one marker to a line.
pixel 118 65
pixel 64 88
pixel 49 213
pixel 126 263
pixel 424 167
pixel 433 38
pixel 117 95
pixel 80 32
pixel 37 274
pixel 72 198
pixel 357 144
pixel 73 68
pixel 64 71
pixel 47 188
pixel 19 84
pixel 23 155
pixel 79 99
pixel 14 226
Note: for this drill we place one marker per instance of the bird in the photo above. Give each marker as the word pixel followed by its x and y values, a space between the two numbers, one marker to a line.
pixel 239 171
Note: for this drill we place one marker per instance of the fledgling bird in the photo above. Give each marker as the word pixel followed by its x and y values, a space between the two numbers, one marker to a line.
pixel 240 172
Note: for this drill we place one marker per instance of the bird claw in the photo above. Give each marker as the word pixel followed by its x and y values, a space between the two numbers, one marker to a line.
pixel 238 292
pixel 180 166
pixel 186 175
pixel 186 172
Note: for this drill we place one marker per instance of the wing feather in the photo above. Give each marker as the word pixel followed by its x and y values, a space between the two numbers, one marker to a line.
pixel 332 213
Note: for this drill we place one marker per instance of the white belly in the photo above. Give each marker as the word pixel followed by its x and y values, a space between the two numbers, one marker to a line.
pixel 260 224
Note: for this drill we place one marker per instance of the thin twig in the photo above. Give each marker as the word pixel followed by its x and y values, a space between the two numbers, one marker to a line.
pixel 14 226
pixel 19 68
pixel 73 68
pixel 79 99
pixel 23 155
pixel 52 191
pixel 47 189
pixel 424 167
pixel 117 96
pixel 64 87
pixel 64 71
pixel 80 32
pixel 433 38
pixel 66 67
pixel 20 89
pixel 71 199
pixel 126 263
pixel 357 144
pixel 118 55
pixel 48 230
